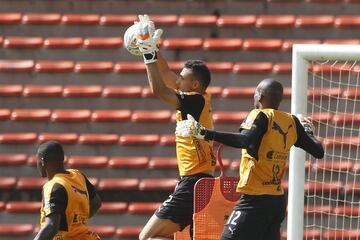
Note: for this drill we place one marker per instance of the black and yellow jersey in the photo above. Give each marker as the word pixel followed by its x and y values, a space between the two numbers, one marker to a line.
pixel 194 155
pixel 69 195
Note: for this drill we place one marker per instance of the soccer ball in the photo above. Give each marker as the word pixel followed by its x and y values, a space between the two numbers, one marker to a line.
pixel 130 36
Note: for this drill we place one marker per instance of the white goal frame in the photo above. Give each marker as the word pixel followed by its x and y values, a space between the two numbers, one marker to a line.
pixel 299 83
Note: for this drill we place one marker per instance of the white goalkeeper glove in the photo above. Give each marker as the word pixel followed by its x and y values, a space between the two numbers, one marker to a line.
pixel 149 38
pixel 190 127
pixel 306 122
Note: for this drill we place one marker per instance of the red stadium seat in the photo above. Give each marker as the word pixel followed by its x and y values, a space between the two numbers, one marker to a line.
pixel 342 41
pixel 54 66
pixel 238 92
pixel 143 207
pixel 16 66
pixel 253 44
pixel 236 21
pixel 65 138
pixel 324 93
pixel 87 161
pixel 182 43
pixel 30 183
pixel 287 44
pixel 220 67
pixel 318 210
pixel 13 159
pixel 16 230
pixel 147 92
pixel 24 138
pixel 139 139
pixel 159 116
pixel 42 91
pixel 214 91
pixel 222 44
pixel 163 162
pixel 63 42
pixel 80 19
pixel 197 20
pixel 70 115
pixel 130 67
pixel 167 140
pixel 128 232
pixel 314 21
pixel 82 91
pixel 128 162
pixel 313 234
pixel 323 117
pixel 125 20
pixel 97 138
pixel 356 167
pixel 176 66
pixel 352 187
pixel 23 207
pixel 342 166
pixel 103 231
pixel 160 184
pixel 162 20
pixel 10 18
pixel 338 234
pixel 251 67
pixel 118 184
pixel 347 21
pixel 352 93
pixel 2 206
pixel 23 42
pixel 5 114
pixel 111 115
pixel 41 18
pixel 94 67
pixel 122 91
pixel 7 183
pixel 347 210
pixel 326 187
pixel 346 118
pixel 113 207
pixel 342 142
pixel 30 114
pixel 109 42
pixel 229 117
pixel 12 90
pixel 282 68
pixel 275 21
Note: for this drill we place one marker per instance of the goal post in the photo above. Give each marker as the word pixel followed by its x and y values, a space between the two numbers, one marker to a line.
pixel 302 55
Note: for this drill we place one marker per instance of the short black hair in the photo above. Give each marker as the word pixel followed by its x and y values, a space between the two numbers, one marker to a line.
pixel 51 151
pixel 200 71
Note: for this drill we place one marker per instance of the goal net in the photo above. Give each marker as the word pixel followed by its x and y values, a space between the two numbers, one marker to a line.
pixel 324 200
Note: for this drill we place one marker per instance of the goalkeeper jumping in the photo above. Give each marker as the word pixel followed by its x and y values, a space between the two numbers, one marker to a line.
pixel 185 93
pixel 266 137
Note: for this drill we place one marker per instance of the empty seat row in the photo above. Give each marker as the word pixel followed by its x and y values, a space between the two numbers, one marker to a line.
pixel 260 21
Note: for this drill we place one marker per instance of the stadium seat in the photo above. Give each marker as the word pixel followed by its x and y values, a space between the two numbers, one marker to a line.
pixel 352 187
pixel 317 209
pixel 80 19
pixel 113 207
pixel 16 66
pixel 341 41
pixel 236 21
pixel 313 234
pixel 64 138
pixel 257 44
pixel 158 116
pixel 160 184
pixel 215 91
pixel 122 91
pixel 220 67
pixel 348 210
pixel 255 68
pixel 24 138
pixel 54 66
pixel 23 207
pixel 30 183
pixel 41 18
pixel 118 184
pixel 87 161
pixel 342 142
pixel 7 183
pixel 103 231
pixel 182 43
pixel 97 138
pixel 346 118
pixel 168 140
pixel 342 166
pixel 31 114
pixel 326 187
pixel 2 206
pixel 118 115
pixel 287 44
pixel 197 20
pixel 94 67
pixel 16 230
pixel 324 92
pixel 5 114
pixel 10 18
pixel 42 91
pixel 126 20
pixel 70 115
pixel 282 68
pixel 176 66
pixel 23 42
pixel 113 42
pixel 324 117
pixel 163 163
pixel 164 20
pixel 139 162
pixel 275 21
pixel 13 159
pixel 143 207
pixel 82 91
pixel 347 21
pixel 356 167
pixel 130 67
pixel 229 117
pixel 63 42
pixel 238 92
pixel 12 90
pixel 125 232
pixel 139 139
pixel 337 234
pixel 352 93
pixel 222 44
pixel 314 21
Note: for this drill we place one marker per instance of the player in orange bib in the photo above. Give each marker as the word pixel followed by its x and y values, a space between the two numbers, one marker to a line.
pixel 266 137
pixel 69 199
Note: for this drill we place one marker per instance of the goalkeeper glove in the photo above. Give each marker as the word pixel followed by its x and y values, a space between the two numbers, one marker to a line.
pixel 306 122
pixel 190 127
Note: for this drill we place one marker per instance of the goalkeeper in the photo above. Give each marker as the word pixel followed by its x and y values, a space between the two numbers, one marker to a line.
pixel 266 137
pixel 185 93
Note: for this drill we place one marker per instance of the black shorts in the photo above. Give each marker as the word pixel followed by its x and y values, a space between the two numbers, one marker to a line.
pixel 256 217
pixel 179 206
